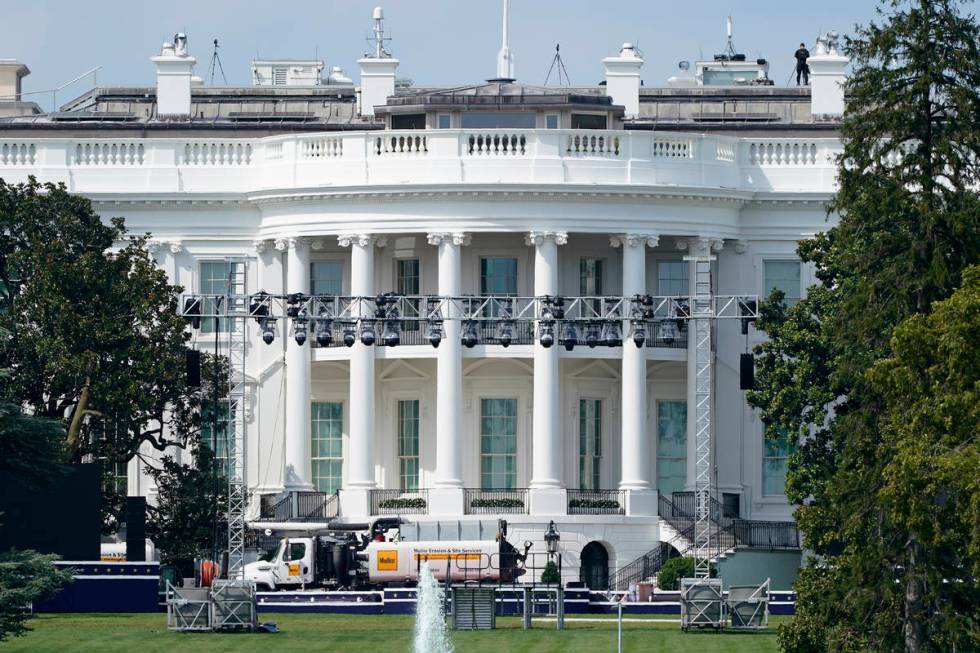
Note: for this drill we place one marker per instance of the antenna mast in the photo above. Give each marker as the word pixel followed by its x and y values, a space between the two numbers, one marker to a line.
pixel 379 37
pixel 216 63
pixel 730 47
pixel 556 61
pixel 505 60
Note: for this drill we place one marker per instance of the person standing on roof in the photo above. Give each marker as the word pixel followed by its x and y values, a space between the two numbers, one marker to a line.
pixel 801 68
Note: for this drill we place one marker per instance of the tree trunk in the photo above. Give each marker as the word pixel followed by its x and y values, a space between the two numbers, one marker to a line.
pixel 76 420
pixel 914 627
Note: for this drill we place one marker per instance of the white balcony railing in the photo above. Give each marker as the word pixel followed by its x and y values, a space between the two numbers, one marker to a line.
pixel 431 157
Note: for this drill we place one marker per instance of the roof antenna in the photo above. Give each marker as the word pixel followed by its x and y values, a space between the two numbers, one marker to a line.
pixel 556 61
pixel 730 48
pixel 216 63
pixel 379 37
pixel 505 60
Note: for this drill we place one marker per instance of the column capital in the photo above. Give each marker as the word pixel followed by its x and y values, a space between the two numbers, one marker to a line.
pixel 361 240
pixel 259 245
pixel 176 247
pixel 634 240
pixel 741 246
pixel 539 237
pixel 700 245
pixel 153 246
pixel 281 244
pixel 457 238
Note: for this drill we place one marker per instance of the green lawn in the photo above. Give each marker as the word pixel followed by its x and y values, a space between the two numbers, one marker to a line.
pixel 147 633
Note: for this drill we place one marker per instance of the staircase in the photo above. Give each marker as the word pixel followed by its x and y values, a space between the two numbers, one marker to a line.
pixel 677 538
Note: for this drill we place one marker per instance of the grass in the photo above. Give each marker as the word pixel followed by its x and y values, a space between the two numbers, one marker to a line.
pixel 147 633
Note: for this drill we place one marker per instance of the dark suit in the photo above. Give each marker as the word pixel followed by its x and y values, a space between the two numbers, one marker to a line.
pixel 801 68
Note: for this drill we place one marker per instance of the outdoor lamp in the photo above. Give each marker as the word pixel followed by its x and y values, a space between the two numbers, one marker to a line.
pixel 551 538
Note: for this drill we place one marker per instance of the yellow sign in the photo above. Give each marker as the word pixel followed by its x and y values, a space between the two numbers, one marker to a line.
pixel 294 570
pixel 447 556
pixel 388 560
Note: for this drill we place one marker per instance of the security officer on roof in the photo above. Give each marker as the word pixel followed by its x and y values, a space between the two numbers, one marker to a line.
pixel 801 68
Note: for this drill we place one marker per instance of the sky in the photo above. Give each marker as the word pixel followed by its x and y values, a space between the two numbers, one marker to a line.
pixel 439 42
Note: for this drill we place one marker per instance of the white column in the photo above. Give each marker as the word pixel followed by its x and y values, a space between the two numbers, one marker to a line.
pixel 449 367
pixel 694 246
pixel 546 423
pixel 360 458
pixel 298 471
pixel 637 461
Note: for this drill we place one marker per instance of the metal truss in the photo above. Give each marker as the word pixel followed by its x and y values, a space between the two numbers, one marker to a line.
pixel 702 312
pixel 237 313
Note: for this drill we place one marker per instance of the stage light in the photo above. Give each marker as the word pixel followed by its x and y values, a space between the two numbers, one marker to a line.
pixel 667 332
pixel 592 335
pixel 268 330
pixel 368 335
pixel 192 311
pixel 505 333
pixel 639 334
pixel 299 331
pixel 570 336
pixel 259 306
pixel 434 333
pixel 323 331
pixel 611 336
pixel 470 337
pixel 294 302
pixel 546 333
pixel 391 336
pixel 350 336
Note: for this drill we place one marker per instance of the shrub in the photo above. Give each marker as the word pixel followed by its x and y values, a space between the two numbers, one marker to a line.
pixel 594 504
pixel 670 574
pixel 507 502
pixel 550 573
pixel 403 503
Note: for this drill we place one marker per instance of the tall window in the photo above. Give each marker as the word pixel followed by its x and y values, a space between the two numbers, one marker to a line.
pixel 672 278
pixel 775 456
pixel 498 444
pixel 498 276
pixel 216 435
pixel 590 273
pixel 784 275
pixel 408 445
pixel 214 281
pixel 327 278
pixel 407 283
pixel 327 433
pixel 671 446
pixel 589 443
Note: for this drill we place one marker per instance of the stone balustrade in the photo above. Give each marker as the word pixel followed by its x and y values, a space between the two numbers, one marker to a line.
pixel 673 160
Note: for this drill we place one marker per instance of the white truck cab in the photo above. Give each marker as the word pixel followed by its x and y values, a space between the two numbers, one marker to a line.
pixel 292 565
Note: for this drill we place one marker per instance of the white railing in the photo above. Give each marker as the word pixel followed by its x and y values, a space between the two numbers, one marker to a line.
pixel 431 157
pixel 496 144
pixel 594 144
pixel 17 154
pixel 217 153
pixel 783 153
pixel 102 153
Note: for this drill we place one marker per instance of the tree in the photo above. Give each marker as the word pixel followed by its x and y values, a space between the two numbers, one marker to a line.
pixel 96 341
pixel 26 577
pixel 909 225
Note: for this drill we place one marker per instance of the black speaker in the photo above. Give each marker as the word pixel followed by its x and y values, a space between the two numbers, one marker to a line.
pixel 135 529
pixel 194 368
pixel 746 372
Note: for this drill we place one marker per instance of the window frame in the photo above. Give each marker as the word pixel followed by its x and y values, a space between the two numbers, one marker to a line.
pixel 400 455
pixel 658 402
pixel 212 325
pixel 767 288
pixel 516 436
pixel 766 456
pixel 593 456
pixel 315 436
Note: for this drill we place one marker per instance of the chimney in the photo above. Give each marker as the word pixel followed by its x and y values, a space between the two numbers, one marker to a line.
pixel 623 78
pixel 377 70
pixel 11 72
pixel 174 79
pixel 827 78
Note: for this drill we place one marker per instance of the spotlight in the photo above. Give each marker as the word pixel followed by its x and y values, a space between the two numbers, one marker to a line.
pixel 268 330
pixel 293 303
pixel 367 333
pixel 470 337
pixel 299 331
pixel 434 333
pixel 259 306
pixel 591 335
pixel 570 336
pixel 639 334
pixel 192 311
pixel 611 336
pixel 391 336
pixel 323 329
pixel 505 333
pixel 350 337
pixel 546 333
pixel 667 332
pixel 746 309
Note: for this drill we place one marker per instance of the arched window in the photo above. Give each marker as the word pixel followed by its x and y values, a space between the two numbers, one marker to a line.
pixel 594 571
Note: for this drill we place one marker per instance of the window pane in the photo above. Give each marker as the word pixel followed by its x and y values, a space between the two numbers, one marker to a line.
pixel 590 443
pixel 444 121
pixel 497 120
pixel 408 444
pixel 775 458
pixel 671 446
pixel 327 446
pixel 214 281
pixel 327 278
pixel 498 443
pixel 784 275
pixel 672 278
pixel 590 277
pixel 498 276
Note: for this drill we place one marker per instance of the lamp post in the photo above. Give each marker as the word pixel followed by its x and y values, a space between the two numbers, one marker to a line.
pixel 551 539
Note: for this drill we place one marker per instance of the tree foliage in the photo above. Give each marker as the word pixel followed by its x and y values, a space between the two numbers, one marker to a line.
pixel 909 225
pixel 26 577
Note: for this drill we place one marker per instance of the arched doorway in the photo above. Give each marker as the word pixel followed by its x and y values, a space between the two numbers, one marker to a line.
pixel 594 571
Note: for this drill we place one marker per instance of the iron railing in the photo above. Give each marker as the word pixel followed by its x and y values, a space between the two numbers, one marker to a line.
pixel 766 534
pixel 306 506
pixel 596 502
pixel 489 502
pixel 399 502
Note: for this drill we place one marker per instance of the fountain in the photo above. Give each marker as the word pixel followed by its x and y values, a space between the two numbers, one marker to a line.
pixel 430 616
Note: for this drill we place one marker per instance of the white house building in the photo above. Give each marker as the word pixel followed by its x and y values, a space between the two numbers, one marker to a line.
pixel 500 188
